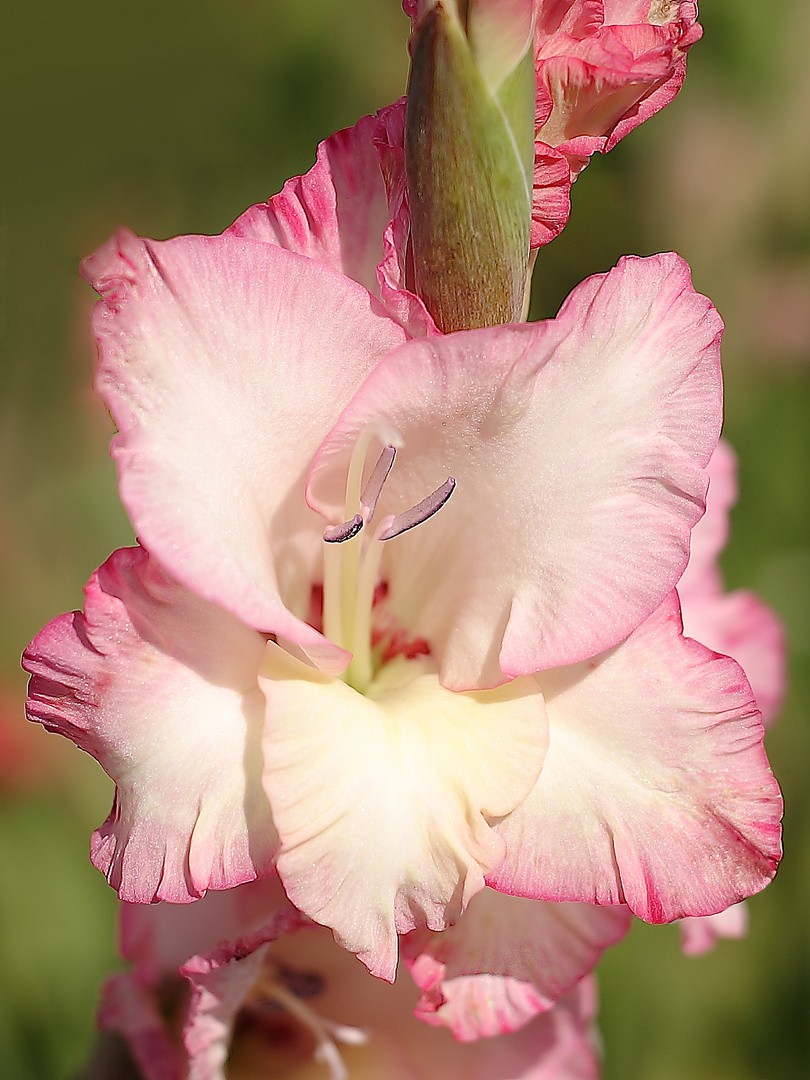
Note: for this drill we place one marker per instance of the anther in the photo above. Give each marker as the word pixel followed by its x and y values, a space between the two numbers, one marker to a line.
pixel 419 513
pixel 371 493
pixel 336 534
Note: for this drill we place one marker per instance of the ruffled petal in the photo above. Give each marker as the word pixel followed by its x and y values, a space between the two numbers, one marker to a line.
pixel 222 384
pixel 220 982
pixel 578 446
pixel 384 804
pixel 551 196
pixel 159 938
pixel 507 960
pixel 655 791
pixel 350 213
pixel 603 69
pixel 336 213
pixel 161 688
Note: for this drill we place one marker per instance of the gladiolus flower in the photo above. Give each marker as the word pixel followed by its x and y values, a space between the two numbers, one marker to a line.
pixel 255 989
pixel 403 620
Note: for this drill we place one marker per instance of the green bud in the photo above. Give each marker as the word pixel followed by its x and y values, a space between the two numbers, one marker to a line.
pixel 469 158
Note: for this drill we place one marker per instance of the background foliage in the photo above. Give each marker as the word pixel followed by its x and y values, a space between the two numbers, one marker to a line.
pixel 172 117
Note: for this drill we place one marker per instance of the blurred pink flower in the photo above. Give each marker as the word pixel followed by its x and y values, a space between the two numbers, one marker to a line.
pixel 700 935
pixel 506 729
pixel 736 624
pixel 267 993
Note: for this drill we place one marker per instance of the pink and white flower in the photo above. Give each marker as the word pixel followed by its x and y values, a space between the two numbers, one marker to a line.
pixel 256 989
pixel 499 695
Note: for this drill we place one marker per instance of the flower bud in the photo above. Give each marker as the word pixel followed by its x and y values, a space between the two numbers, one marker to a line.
pixel 469 152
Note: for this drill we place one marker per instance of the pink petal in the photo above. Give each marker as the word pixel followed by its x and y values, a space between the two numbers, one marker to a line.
pixel 383 801
pixel 578 447
pixel 161 688
pixel 655 791
pixel 740 625
pixel 349 212
pixel 220 982
pixel 506 960
pixel 130 1008
pixel 710 535
pixel 222 384
pixel 551 199
pixel 602 71
pixel 700 935
pixel 336 213
pixel 736 624
pixel 159 938
pixel 594 82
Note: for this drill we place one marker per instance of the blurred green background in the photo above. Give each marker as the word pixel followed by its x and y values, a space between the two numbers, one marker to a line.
pixel 172 117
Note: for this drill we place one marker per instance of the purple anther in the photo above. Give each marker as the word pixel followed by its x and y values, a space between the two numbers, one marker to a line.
pixel 336 534
pixel 419 513
pixel 368 500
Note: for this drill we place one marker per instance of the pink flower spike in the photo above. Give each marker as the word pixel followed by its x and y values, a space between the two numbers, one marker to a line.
pixel 161 688
pixel 655 790
pixel 507 960
pixel 207 347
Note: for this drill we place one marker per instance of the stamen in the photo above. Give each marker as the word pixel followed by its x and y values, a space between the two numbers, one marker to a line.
pixel 419 513
pixel 336 534
pixel 368 500
pixel 324 1031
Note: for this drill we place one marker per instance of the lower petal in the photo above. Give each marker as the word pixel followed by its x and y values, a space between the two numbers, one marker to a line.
pixel 384 804
pixel 506 960
pixel 656 791
pixel 161 688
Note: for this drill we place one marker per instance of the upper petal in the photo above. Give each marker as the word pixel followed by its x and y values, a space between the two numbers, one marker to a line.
pixel 336 213
pixel 506 960
pixel 222 384
pixel 349 212
pixel 578 446
pixel 384 804
pixel 655 790
pixel 161 688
